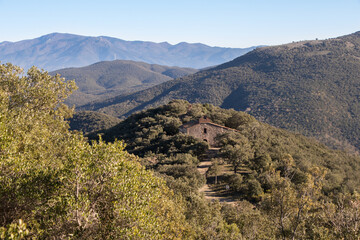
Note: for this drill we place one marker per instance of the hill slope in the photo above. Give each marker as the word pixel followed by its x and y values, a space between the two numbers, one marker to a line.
pixel 87 121
pixel 110 78
pixel 285 180
pixel 311 87
pixel 156 131
pixel 57 50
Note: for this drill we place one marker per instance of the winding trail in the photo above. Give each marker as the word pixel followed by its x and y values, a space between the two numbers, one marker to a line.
pixel 209 193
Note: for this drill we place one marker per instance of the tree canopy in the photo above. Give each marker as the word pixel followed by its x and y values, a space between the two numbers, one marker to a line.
pixel 287 186
pixel 54 184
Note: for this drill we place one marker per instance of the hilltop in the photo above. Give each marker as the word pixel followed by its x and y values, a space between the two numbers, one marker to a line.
pixel 60 50
pixel 156 131
pixel 110 78
pixel 286 184
pixel 309 87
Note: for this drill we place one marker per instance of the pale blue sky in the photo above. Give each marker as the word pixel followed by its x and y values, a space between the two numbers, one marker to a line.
pixel 225 23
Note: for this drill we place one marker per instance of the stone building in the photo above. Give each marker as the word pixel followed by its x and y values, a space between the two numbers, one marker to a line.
pixel 204 129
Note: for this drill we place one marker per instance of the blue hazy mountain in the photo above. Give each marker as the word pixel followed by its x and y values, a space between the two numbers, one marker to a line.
pixel 58 50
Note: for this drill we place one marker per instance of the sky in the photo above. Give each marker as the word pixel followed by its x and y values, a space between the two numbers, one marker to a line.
pixel 224 23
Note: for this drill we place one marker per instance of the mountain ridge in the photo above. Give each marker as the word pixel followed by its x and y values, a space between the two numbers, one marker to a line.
pixel 61 50
pixel 311 87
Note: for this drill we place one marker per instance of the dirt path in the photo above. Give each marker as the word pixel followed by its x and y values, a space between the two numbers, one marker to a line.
pixel 212 195
pixel 209 193
pixel 204 166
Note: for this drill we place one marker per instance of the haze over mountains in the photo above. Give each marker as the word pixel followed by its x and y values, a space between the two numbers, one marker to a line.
pixel 310 87
pixel 57 50
pixel 110 78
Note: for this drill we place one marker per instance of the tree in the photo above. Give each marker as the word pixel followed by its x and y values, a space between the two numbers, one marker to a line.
pixel 215 168
pixel 236 149
pixel 33 136
pixel 261 163
pixel 342 217
pixel 237 119
pixel 292 206
pixel 54 184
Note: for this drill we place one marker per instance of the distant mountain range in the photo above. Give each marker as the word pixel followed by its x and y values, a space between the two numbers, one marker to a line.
pixel 310 87
pixel 57 50
pixel 110 78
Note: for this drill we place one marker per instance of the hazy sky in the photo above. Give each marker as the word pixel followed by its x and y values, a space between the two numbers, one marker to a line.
pixel 225 23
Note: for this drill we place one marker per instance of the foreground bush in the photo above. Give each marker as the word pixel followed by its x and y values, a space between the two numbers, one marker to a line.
pixel 54 184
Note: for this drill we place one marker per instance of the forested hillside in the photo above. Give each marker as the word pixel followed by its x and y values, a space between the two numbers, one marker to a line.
pixel 88 121
pixel 310 87
pixel 287 186
pixel 106 79
pixel 55 184
pixel 157 131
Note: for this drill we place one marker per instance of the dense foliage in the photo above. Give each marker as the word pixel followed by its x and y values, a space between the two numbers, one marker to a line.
pixel 309 87
pixel 288 186
pixel 156 131
pixel 88 121
pixel 55 185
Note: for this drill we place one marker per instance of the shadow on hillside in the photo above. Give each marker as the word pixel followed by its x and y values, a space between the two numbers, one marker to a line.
pixel 237 100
